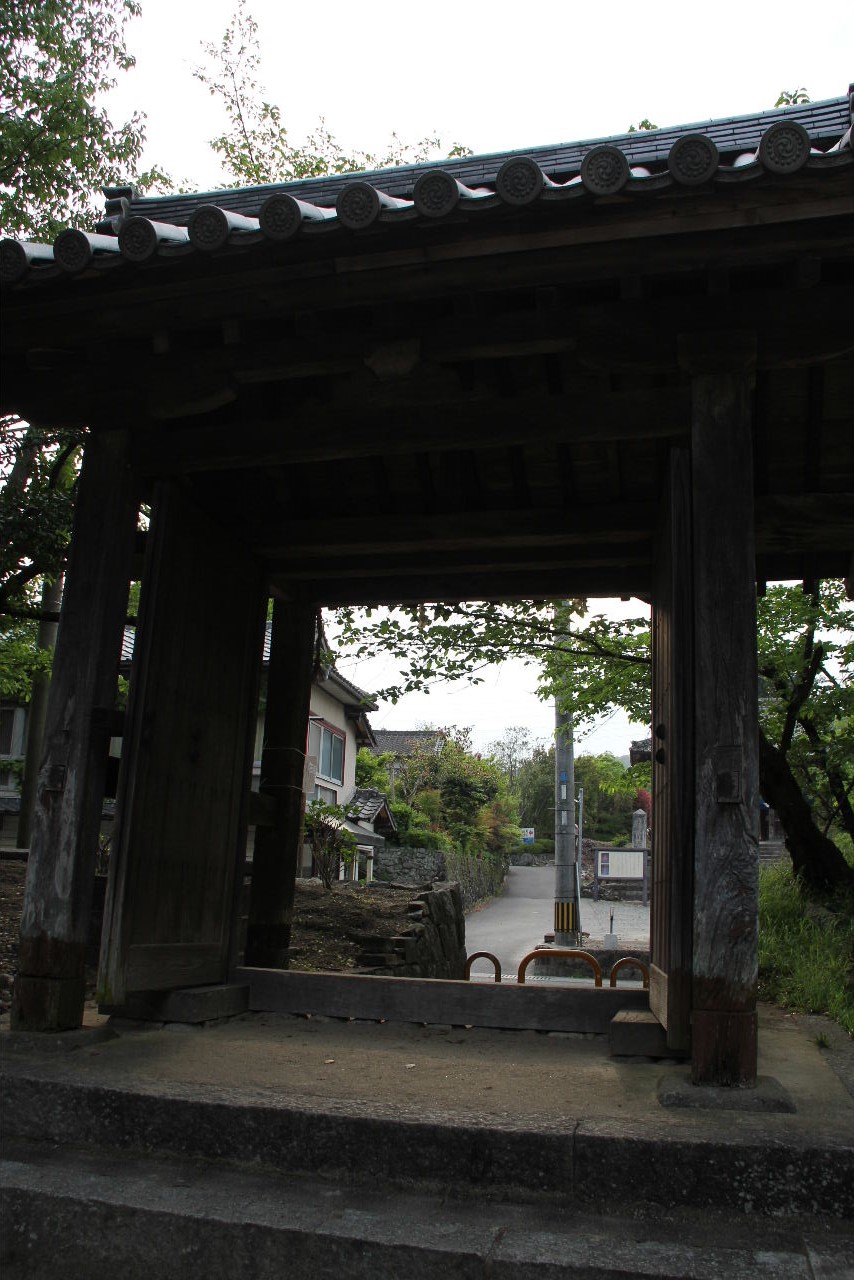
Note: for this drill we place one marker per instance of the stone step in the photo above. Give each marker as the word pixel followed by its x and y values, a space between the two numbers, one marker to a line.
pixel 97 1214
pixel 697 1162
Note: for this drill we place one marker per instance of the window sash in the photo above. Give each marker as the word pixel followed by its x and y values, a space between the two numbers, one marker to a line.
pixel 330 760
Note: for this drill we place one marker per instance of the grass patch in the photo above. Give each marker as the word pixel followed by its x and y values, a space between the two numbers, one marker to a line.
pixel 806 949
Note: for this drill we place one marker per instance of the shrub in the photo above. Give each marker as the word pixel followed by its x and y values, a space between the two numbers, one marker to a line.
pixel 331 842
pixel 805 948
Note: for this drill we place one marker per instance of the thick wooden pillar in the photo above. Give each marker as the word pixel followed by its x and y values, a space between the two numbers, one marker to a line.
pixel 726 770
pixel 49 990
pixel 276 851
pixel 671 952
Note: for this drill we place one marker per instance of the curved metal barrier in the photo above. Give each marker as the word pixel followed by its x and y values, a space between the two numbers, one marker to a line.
pixel 629 962
pixel 482 955
pixel 561 953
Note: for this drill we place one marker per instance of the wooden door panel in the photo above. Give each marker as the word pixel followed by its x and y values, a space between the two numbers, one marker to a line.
pixel 186 758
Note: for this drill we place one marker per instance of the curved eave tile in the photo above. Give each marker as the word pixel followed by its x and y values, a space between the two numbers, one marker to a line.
pixel 438 197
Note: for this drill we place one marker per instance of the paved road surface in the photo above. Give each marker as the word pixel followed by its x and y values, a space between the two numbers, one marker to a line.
pixel 516 921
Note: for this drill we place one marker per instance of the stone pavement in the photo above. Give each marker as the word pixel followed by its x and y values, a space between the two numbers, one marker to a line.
pixel 365 1149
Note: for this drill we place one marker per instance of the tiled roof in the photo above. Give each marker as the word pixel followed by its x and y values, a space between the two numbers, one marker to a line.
pixel 365 803
pixel 713 154
pixel 640 750
pixel 402 742
pixel 369 805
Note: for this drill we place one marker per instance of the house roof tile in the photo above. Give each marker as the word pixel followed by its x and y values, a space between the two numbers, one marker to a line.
pixel 716 154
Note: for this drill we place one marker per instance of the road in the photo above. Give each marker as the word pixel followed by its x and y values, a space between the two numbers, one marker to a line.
pixel 515 922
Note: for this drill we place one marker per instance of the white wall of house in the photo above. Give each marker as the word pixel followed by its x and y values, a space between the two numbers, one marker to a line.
pixel 331 743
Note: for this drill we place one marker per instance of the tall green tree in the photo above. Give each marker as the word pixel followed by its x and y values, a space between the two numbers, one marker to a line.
pixel 594 664
pixel 255 146
pixel 58 145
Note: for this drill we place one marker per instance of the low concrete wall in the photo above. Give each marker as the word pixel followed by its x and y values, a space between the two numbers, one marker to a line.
pixel 431 942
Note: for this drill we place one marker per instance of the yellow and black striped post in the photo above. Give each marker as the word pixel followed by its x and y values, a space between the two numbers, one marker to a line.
pixel 566 917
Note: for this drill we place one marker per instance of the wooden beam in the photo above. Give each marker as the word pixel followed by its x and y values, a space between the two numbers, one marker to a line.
pixel 499 584
pixel 477 1004
pixel 49 990
pixel 454 531
pixel 591 556
pixel 726 755
pixel 277 847
pixel 315 434
pixel 804 522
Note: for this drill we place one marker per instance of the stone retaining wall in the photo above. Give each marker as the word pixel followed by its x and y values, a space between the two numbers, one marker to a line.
pixel 431 942
pixel 404 865
pixel 478 878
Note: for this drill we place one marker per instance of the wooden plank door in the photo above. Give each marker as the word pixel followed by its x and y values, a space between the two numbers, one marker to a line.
pixel 672 769
pixel 186 758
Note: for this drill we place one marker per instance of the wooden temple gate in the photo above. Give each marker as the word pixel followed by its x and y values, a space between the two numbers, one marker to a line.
pixel 531 377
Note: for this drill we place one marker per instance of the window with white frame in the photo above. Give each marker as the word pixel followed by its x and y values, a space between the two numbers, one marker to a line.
pixel 327 746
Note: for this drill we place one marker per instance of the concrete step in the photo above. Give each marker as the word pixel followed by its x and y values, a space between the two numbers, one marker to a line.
pixel 71 1214
pixel 692 1159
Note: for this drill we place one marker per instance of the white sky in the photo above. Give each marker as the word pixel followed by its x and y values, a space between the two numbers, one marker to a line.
pixel 494 76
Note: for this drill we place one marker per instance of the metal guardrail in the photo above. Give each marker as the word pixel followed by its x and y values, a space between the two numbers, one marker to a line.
pixel 629 962
pixel 560 953
pixel 482 955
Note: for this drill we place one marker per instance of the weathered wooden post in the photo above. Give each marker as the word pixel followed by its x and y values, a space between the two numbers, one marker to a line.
pixel 49 990
pixel 726 772
pixel 672 914
pixel 276 851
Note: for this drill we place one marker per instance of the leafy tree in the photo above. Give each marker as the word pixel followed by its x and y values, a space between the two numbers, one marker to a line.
pixel 39 469
pixel 609 789
pixel 597 664
pixel 254 145
pixel 792 98
pixel 57 143
pixel 510 750
pixel 373 770
pixel 643 126
pixel 806 745
pixel 57 146
pixel 535 792
pixel 446 789
pixel 331 842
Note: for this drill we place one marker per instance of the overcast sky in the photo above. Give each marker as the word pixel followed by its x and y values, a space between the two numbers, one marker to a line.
pixel 493 76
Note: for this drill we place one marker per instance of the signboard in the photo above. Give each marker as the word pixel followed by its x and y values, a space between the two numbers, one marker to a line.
pixel 527 835
pixel 621 864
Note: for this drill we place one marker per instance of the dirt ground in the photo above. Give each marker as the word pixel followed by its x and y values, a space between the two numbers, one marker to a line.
pixel 330 929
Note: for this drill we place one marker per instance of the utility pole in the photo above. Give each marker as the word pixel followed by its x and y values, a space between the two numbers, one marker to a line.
pixel 567 916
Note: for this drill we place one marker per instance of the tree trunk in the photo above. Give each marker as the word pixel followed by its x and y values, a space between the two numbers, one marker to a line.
pixel 815 858
pixel 51 602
